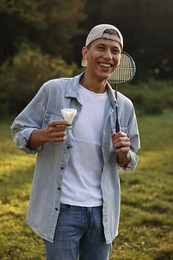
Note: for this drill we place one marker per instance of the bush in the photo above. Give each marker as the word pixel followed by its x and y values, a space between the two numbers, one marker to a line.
pixel 150 98
pixel 23 76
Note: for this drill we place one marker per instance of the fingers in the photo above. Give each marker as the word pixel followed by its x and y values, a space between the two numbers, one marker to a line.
pixel 121 141
pixel 56 136
pixel 56 131
pixel 57 123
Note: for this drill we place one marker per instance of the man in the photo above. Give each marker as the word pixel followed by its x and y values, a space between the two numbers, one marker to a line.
pixel 75 199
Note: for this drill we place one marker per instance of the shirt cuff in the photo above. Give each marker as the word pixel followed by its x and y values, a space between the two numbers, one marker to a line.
pixel 132 164
pixel 22 139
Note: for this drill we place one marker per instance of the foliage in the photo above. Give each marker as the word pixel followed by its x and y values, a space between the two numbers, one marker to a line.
pixel 151 97
pixel 31 69
pixel 146 29
pixel 41 39
pixel 21 81
pixel 59 28
pixel 146 213
pixel 47 24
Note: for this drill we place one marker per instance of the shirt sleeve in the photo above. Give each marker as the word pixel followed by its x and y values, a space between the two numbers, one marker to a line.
pixel 30 119
pixel 133 133
pixel 132 164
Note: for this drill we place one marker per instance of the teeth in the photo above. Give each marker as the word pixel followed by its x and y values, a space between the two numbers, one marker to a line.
pixel 105 65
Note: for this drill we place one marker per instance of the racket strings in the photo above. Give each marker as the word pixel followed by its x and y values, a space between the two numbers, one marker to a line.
pixel 124 72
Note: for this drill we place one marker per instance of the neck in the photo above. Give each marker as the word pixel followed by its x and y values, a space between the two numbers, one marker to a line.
pixel 94 85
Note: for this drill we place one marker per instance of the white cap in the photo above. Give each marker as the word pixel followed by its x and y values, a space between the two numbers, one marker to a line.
pixel 99 31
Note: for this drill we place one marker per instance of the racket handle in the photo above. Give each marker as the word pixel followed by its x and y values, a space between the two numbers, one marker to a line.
pixel 117 126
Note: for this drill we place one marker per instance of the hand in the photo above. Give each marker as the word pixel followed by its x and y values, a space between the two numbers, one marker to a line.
pixel 121 143
pixel 56 131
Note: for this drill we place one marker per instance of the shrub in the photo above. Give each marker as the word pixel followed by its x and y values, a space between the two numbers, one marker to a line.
pixel 150 98
pixel 23 76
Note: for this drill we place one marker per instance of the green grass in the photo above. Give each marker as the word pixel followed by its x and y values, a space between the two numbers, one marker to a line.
pixel 146 224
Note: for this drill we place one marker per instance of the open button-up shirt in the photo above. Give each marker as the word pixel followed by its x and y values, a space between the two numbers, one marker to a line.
pixel 52 158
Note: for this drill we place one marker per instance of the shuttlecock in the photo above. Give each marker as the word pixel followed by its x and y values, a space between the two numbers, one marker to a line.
pixel 69 114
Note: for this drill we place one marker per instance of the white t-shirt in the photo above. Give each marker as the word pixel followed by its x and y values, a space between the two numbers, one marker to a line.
pixel 81 181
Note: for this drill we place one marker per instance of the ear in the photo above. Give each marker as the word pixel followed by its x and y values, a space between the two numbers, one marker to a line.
pixel 84 52
pixel 84 55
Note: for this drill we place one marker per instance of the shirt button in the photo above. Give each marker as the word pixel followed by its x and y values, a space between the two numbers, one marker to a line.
pixel 59 188
pixel 62 168
pixel 56 209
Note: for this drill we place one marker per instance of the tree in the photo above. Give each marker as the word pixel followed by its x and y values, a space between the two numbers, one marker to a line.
pixel 49 24
pixel 147 29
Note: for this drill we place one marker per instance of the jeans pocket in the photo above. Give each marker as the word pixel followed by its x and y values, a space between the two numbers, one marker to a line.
pixel 64 208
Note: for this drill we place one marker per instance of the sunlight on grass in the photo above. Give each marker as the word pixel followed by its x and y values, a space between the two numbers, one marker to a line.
pixel 146 224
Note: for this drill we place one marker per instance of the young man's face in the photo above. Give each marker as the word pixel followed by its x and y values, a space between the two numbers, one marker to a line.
pixel 103 56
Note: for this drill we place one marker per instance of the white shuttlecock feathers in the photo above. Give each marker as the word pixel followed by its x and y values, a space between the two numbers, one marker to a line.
pixel 69 114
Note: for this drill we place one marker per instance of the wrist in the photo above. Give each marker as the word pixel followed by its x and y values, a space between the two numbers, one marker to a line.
pixel 44 135
pixel 124 161
pixel 37 138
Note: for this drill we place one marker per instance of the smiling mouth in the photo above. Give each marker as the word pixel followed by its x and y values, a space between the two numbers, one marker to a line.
pixel 105 65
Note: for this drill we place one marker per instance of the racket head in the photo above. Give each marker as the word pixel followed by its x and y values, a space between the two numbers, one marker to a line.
pixel 124 72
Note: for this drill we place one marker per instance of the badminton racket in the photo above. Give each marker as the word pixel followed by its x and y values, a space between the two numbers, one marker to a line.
pixel 124 72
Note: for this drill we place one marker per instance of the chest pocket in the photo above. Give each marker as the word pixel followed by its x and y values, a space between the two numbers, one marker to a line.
pixel 49 117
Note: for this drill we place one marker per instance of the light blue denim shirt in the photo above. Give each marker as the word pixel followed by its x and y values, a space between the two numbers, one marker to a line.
pixel 52 158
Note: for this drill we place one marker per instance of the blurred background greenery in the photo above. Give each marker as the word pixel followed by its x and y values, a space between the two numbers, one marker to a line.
pixel 42 39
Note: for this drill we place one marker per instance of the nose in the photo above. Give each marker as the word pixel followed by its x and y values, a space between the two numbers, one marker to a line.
pixel 107 54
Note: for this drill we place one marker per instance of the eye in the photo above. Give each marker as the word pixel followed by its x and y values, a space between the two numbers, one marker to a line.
pixel 101 48
pixel 116 51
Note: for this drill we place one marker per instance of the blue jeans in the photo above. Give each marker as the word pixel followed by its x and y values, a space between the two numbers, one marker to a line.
pixel 79 235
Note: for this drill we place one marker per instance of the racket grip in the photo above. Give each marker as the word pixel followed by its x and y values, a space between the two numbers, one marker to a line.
pixel 117 126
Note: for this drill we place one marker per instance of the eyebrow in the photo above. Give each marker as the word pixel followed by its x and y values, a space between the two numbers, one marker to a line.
pixel 103 44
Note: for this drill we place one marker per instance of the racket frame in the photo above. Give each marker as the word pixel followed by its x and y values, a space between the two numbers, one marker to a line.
pixel 114 82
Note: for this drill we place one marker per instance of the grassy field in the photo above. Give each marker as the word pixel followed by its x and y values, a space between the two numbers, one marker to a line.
pixel 146 224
